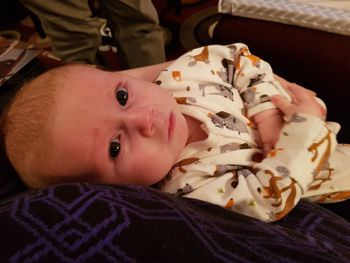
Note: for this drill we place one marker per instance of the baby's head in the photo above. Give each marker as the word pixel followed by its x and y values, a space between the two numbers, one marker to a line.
pixel 26 125
pixel 79 123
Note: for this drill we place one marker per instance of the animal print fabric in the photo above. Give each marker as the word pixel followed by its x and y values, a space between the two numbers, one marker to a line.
pixel 96 223
pixel 222 87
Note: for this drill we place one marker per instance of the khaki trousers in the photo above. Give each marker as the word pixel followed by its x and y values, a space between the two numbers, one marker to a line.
pixel 75 34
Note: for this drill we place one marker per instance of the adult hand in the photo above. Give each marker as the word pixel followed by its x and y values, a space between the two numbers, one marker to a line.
pixel 303 101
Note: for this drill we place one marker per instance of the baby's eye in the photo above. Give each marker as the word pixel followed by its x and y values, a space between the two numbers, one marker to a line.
pixel 114 149
pixel 121 95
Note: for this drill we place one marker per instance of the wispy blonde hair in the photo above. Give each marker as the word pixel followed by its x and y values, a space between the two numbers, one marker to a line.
pixel 26 125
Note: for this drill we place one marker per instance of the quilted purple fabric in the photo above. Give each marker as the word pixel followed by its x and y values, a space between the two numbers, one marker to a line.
pixel 96 223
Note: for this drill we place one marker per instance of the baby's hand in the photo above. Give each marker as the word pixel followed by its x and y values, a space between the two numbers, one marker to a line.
pixel 303 101
pixel 269 123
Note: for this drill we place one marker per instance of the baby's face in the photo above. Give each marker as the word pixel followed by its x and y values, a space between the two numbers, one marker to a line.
pixel 111 128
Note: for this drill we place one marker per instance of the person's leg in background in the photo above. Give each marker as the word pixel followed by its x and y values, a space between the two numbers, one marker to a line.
pixel 135 27
pixel 74 33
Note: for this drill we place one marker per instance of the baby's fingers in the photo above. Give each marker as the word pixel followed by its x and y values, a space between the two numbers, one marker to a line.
pixel 267 147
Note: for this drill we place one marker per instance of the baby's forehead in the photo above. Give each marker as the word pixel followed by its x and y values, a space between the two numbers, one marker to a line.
pixel 77 75
pixel 78 70
pixel 83 80
pixel 80 81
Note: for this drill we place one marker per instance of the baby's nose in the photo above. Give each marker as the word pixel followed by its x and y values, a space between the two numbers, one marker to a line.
pixel 142 120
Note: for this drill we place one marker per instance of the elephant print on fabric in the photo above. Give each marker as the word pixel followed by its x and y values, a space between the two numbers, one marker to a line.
pixel 223 119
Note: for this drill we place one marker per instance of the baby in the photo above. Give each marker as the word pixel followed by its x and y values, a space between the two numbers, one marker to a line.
pixel 217 127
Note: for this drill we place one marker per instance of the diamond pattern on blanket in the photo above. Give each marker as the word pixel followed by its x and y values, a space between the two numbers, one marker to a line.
pixel 96 223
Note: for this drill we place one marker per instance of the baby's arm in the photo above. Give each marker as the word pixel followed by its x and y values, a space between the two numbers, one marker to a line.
pixel 257 83
pixel 304 147
pixel 267 190
pixel 270 189
pixel 270 122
